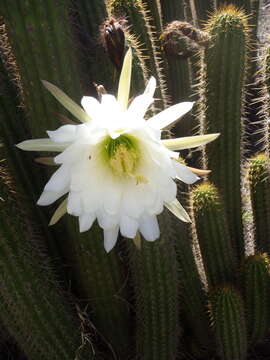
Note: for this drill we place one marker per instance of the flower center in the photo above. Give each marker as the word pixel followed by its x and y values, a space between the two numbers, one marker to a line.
pixel 122 155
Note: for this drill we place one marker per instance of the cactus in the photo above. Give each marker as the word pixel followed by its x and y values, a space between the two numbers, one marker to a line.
pixel 259 192
pixel 257 287
pixel 154 269
pixel 217 251
pixel 229 323
pixel 224 74
pixel 62 296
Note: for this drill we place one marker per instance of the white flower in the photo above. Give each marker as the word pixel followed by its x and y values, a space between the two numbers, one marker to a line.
pixel 114 167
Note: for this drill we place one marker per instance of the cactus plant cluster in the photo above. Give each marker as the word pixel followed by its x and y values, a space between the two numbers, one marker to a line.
pixel 202 290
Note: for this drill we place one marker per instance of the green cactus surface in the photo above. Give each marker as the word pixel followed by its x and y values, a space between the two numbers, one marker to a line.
pixel 229 323
pixel 222 76
pixel 257 287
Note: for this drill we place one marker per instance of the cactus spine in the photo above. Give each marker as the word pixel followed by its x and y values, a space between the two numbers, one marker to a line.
pixel 229 324
pixel 257 288
pixel 223 75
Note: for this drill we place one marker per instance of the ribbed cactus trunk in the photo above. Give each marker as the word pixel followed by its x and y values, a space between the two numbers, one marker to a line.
pixel 213 236
pixel 229 324
pixel 258 175
pixel 154 270
pixel 222 93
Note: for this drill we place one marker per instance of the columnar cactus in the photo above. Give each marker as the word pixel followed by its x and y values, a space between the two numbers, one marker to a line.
pixel 192 292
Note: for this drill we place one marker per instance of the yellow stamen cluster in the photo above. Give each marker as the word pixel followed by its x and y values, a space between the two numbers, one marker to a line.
pixel 124 161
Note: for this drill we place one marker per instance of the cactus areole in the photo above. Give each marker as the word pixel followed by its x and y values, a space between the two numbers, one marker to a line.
pixel 114 166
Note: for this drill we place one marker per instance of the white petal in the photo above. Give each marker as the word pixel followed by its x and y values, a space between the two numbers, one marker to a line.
pixel 184 174
pixel 65 133
pixel 128 226
pixel 177 209
pixel 74 153
pixel 112 197
pixel 149 227
pixel 91 106
pixel 124 81
pixel 65 100
pixel 41 145
pixel 170 115
pixel 74 206
pixel 107 221
pixel 110 238
pixel 48 197
pixel 59 180
pixel 59 212
pixel 141 103
pixel 110 102
pixel 86 221
pixel 189 141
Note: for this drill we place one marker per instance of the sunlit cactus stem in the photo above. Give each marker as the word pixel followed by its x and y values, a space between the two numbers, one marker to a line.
pixel 213 235
pixel 229 323
pixel 259 181
pixel 257 289
pixel 221 105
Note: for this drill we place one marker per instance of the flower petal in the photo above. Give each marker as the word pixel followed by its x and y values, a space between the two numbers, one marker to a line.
pixel 140 104
pixel 184 174
pixel 128 226
pixel 86 221
pixel 177 209
pixel 91 106
pixel 149 228
pixel 65 133
pixel 41 145
pixel 74 206
pixel 59 212
pixel 124 81
pixel 67 102
pixel 110 238
pixel 48 197
pixel 59 180
pixel 170 115
pixel 189 141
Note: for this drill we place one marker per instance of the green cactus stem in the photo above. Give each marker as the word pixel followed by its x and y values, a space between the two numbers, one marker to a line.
pixel 41 41
pixel 257 289
pixel 32 306
pixel 213 235
pixel 144 29
pixel 258 175
pixel 154 270
pixel 89 17
pixel 221 88
pixel 263 102
pixel 192 294
pixel 179 70
pixel 229 325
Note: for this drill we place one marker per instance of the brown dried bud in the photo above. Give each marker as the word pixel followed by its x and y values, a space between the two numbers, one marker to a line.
pixel 182 39
pixel 113 39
